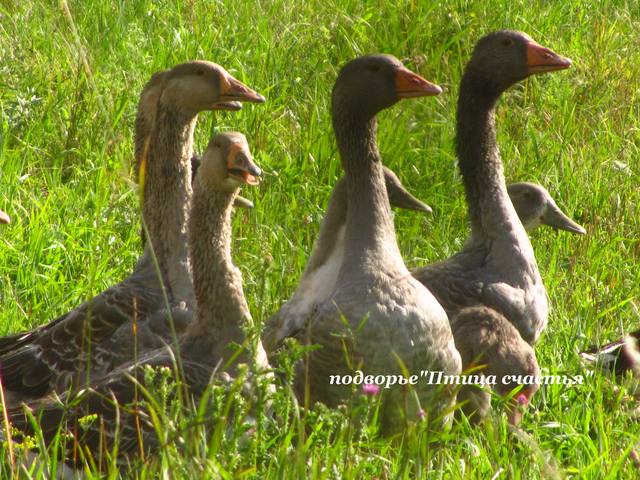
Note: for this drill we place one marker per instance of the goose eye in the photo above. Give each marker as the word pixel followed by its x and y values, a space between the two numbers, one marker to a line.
pixel 375 68
pixel 507 42
pixel 200 72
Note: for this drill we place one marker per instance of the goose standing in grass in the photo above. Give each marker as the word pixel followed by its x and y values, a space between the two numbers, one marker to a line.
pixel 485 337
pixel 497 267
pixel 215 340
pixel 67 350
pixel 533 203
pixel 322 268
pixel 378 318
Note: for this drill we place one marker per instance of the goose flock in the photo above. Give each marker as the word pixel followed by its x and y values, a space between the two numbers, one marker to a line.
pixel 358 309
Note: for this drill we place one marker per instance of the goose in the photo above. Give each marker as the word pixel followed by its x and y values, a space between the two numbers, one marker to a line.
pixel 57 355
pixel 497 267
pixel 322 268
pixel 533 203
pixel 377 318
pixel 482 335
pixel 4 218
pixel 211 340
pixel 491 346
pixel 617 357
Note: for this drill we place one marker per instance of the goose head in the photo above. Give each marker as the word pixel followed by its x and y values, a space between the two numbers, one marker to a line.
pixel 506 57
pixel 227 163
pixel 371 83
pixel 199 85
pixel 188 88
pixel 239 201
pixel 536 207
pixel 4 218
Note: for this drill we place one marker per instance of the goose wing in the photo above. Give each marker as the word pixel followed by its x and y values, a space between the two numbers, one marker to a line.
pixel 50 356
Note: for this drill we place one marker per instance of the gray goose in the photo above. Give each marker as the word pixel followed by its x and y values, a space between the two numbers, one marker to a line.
pixel 210 341
pixel 533 203
pixel 322 268
pixel 485 337
pixel 67 350
pixel 377 316
pixel 497 267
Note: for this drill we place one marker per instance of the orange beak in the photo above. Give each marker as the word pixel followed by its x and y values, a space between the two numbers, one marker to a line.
pixel 540 59
pixel 410 85
pixel 240 166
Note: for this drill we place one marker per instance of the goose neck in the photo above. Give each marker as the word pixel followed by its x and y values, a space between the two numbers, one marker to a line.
pixel 490 210
pixel 166 199
pixel 222 310
pixel 370 235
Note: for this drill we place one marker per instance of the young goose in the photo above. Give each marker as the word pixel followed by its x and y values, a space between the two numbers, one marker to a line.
pixel 4 218
pixel 221 315
pixel 377 318
pixel 497 267
pixel 488 341
pixel 239 202
pixel 322 268
pixel 37 362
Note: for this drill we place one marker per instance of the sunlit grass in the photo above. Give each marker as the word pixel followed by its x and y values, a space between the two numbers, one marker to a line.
pixel 68 91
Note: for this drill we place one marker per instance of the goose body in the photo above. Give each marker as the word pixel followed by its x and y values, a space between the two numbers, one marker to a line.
pixel 487 341
pixel 497 267
pixel 377 318
pixel 320 274
pixel 74 347
pixel 209 341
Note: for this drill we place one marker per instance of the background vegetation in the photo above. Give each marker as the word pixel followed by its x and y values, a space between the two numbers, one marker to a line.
pixel 69 80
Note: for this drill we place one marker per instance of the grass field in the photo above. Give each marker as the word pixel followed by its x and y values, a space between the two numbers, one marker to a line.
pixel 69 81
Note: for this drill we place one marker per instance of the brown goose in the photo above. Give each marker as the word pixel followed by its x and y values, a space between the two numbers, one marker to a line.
pixel 322 268
pixel 492 347
pixel 497 267
pixel 222 314
pixel 377 318
pixel 51 357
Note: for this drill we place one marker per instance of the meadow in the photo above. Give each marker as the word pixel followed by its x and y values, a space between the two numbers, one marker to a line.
pixel 70 76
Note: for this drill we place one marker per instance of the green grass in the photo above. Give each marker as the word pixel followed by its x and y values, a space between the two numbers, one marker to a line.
pixel 68 91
